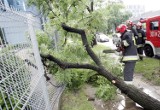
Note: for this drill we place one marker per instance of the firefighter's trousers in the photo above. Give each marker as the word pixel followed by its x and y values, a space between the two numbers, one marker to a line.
pixel 129 70
pixel 140 51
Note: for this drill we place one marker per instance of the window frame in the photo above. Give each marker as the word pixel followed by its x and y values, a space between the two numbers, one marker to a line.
pixel 155 25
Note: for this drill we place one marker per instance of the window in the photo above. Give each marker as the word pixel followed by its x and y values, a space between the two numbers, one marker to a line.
pixel 154 25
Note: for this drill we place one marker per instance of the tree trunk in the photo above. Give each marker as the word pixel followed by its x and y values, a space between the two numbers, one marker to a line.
pixel 137 95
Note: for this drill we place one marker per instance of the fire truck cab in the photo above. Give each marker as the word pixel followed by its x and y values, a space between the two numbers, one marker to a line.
pixel 152 29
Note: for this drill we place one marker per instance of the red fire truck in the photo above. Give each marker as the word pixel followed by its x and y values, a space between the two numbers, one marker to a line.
pixel 152 29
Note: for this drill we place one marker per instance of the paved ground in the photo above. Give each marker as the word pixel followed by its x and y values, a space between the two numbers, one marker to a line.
pixel 55 91
pixel 147 87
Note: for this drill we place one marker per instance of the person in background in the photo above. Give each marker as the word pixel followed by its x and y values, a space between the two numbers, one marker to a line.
pixel 140 40
pixel 129 52
pixel 131 26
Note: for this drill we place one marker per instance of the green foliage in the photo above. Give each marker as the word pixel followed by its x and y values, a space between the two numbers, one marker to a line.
pixel 4 100
pixel 106 92
pixel 77 79
pixel 52 68
pixel 44 41
pixel 149 68
pixel 74 78
pixel 73 52
pixel 75 13
pixel 43 38
pixel 2 103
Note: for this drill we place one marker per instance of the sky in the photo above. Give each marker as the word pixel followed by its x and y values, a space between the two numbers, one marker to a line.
pixel 150 5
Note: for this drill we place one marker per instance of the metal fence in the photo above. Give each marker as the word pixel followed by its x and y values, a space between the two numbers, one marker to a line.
pixel 22 82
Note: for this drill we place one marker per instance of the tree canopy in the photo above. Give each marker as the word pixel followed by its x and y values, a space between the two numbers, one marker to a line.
pixel 91 15
pixel 116 14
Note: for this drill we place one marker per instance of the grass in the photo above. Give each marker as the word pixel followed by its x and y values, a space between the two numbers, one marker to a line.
pixel 75 101
pixel 150 69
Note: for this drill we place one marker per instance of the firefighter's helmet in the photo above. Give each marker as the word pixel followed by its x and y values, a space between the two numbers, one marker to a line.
pixel 139 24
pixel 121 28
pixel 129 22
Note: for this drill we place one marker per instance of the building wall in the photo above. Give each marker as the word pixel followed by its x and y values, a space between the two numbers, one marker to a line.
pixel 19 29
pixel 146 15
pixel 15 4
pixel 136 10
pixel 16 27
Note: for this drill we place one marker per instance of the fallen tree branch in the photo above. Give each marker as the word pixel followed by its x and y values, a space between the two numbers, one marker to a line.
pixel 66 65
pixel 146 101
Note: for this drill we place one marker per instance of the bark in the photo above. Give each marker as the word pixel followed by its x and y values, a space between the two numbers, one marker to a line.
pixel 66 65
pixel 147 102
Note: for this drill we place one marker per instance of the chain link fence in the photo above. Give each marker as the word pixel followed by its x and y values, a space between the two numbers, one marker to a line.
pixel 22 82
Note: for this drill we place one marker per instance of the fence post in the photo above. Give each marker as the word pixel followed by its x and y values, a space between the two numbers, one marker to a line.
pixel 38 60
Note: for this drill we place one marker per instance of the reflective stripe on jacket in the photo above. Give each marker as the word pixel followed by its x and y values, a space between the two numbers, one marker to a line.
pixel 140 45
pixel 130 58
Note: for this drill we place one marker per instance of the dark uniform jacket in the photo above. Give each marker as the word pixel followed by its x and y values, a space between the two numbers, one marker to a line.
pixel 129 45
pixel 141 38
pixel 135 34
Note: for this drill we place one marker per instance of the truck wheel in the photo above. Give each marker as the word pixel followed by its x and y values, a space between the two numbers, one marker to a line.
pixel 148 51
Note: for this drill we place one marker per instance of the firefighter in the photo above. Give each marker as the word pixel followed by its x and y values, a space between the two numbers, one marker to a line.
pixel 131 27
pixel 141 40
pixel 129 52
